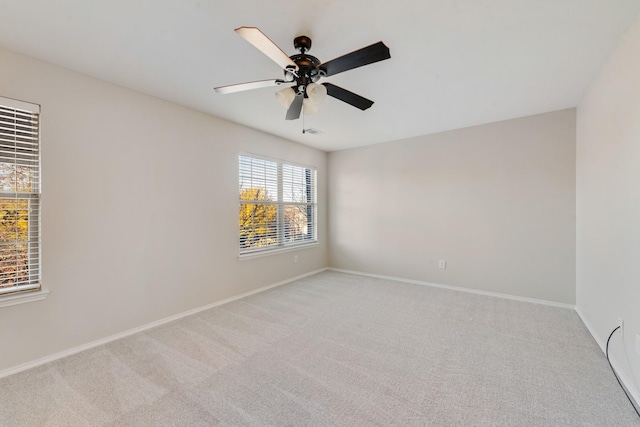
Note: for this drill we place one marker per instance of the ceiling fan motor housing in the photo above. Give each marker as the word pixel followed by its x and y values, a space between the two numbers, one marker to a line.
pixel 308 66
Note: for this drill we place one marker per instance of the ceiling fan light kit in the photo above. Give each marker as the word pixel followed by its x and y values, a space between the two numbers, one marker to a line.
pixel 302 71
pixel 286 96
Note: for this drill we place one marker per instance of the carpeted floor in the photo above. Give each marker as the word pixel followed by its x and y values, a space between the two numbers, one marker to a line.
pixel 335 350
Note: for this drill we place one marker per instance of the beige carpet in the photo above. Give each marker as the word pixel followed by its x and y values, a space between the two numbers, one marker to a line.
pixel 335 350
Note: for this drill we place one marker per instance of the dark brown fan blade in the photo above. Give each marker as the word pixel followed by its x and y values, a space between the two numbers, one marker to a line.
pixel 348 97
pixel 367 55
pixel 293 112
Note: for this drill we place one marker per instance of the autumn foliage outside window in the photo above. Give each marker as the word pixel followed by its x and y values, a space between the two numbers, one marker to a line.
pixel 19 198
pixel 277 204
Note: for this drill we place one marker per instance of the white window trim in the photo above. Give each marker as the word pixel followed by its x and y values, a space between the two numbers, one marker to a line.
pixel 38 293
pixel 269 252
pixel 23 297
pixel 275 250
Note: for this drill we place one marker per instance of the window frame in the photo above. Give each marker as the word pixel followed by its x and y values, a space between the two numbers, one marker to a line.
pixel 281 205
pixel 30 290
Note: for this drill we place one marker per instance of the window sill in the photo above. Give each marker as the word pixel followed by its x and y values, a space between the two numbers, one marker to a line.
pixel 24 297
pixel 265 253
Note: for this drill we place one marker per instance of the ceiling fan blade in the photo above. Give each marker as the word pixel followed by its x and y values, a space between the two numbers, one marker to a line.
pixel 348 97
pixel 295 108
pixel 367 55
pixel 258 39
pixel 248 86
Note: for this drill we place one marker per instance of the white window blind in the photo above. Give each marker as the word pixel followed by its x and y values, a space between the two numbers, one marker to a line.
pixel 19 196
pixel 277 204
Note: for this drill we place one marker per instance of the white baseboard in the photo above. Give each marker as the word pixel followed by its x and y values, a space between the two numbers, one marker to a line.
pixel 602 342
pixel 460 289
pixel 92 344
pixel 626 380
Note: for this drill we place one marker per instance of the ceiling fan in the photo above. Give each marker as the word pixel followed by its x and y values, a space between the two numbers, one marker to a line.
pixel 302 71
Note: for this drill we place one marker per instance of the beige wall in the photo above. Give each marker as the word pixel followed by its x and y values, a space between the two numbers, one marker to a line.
pixel 497 202
pixel 139 211
pixel 608 205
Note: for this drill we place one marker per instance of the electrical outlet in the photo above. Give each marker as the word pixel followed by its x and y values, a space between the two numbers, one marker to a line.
pixel 295 258
pixel 442 264
pixel 621 325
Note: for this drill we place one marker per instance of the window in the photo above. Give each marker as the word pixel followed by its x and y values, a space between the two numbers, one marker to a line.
pixel 19 197
pixel 277 205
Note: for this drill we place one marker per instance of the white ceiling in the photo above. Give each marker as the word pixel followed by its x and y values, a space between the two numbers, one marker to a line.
pixel 454 63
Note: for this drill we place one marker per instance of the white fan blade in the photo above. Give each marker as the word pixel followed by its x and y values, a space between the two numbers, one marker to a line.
pixel 258 39
pixel 248 86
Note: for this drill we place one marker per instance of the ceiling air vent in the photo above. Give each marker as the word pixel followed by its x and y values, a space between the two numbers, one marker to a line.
pixel 312 131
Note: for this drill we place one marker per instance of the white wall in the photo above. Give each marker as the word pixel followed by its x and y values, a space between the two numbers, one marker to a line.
pixel 139 211
pixel 608 205
pixel 497 202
